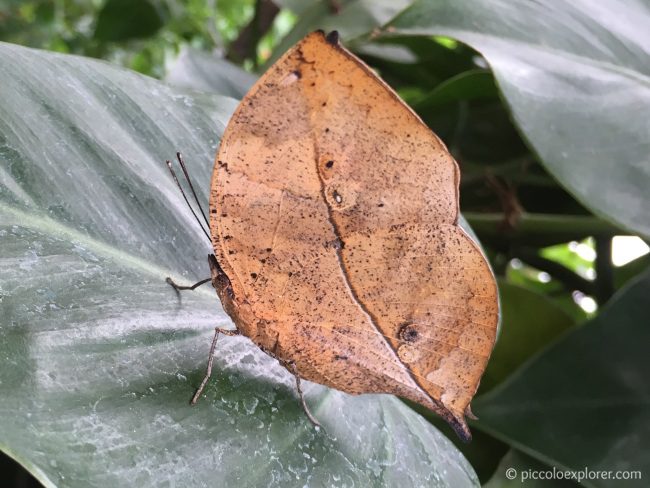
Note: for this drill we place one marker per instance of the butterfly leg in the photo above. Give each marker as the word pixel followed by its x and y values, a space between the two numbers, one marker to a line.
pixel 178 287
pixel 291 366
pixel 208 372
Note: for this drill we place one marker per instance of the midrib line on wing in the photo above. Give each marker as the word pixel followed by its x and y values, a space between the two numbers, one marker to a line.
pixel 346 278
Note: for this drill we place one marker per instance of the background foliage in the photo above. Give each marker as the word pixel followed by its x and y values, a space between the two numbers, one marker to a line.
pixel 545 109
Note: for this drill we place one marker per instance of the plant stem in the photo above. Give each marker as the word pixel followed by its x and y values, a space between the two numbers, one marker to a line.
pixel 245 46
pixel 540 229
pixel 604 271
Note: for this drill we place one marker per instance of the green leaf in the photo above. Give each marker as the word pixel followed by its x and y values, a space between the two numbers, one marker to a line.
pixel 469 85
pixel 100 357
pixel 121 20
pixel 393 53
pixel 584 401
pixel 625 273
pixel 205 72
pixel 530 322
pixel 576 78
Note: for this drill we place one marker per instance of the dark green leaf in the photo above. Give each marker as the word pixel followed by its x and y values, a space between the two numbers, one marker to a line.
pixel 625 273
pixel 584 401
pixel 467 86
pixel 530 322
pixel 120 20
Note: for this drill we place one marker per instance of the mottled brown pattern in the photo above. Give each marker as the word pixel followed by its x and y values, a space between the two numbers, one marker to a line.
pixel 334 217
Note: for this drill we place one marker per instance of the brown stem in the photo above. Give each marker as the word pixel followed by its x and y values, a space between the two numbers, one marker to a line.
pixel 245 46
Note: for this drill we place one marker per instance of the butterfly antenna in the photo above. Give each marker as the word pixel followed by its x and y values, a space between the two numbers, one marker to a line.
pixel 178 184
pixel 189 182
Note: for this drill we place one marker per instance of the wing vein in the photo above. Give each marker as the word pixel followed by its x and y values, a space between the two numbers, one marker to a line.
pixel 346 279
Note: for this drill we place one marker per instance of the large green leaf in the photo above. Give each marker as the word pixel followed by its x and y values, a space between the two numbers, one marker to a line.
pixel 98 355
pixel 584 401
pixel 576 75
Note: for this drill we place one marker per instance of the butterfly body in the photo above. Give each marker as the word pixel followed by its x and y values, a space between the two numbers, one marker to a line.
pixel 334 219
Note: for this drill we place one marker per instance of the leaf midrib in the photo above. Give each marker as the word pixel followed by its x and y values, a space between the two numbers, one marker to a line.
pixel 54 228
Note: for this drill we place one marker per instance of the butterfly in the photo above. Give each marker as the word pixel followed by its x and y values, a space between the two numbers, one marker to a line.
pixel 337 250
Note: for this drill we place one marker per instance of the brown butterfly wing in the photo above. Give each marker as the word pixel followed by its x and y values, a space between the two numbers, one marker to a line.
pixel 334 214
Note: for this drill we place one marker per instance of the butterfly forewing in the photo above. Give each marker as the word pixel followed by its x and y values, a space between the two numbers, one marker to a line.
pixel 334 215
